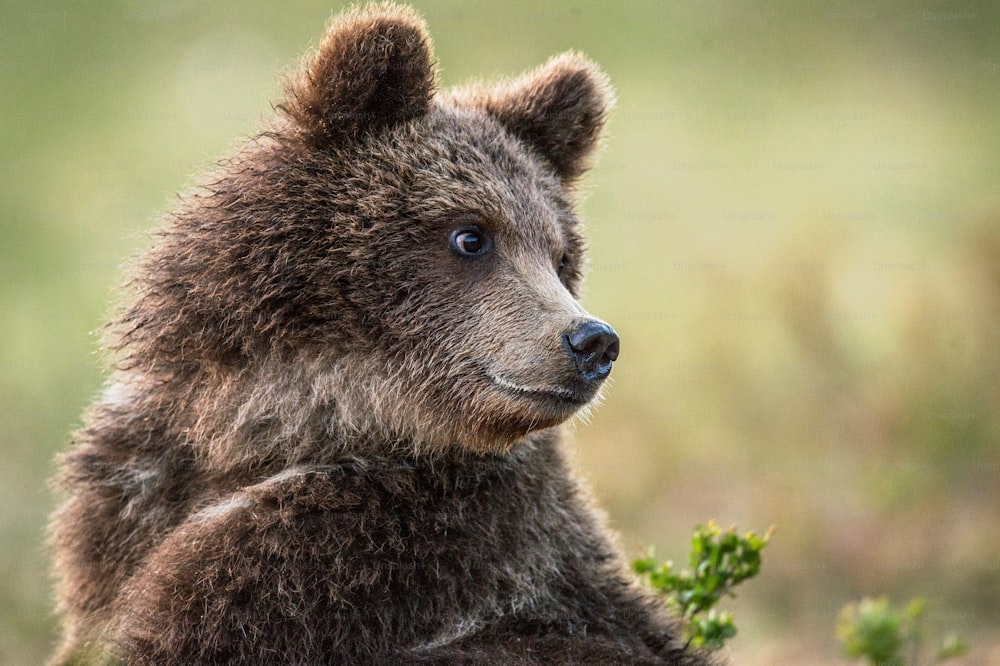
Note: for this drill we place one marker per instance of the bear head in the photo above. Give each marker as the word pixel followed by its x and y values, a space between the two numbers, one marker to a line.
pixel 387 262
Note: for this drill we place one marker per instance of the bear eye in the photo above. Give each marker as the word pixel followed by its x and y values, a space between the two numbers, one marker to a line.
pixel 563 266
pixel 470 241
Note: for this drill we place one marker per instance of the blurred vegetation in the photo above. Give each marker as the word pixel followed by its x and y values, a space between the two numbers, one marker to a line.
pixel 879 633
pixel 795 229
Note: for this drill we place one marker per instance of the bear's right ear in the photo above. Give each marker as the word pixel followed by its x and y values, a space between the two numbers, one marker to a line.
pixel 374 69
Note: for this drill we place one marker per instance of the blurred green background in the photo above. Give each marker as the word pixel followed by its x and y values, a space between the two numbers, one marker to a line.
pixel 795 229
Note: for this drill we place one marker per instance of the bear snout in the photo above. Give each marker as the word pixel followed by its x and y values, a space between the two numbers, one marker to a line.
pixel 593 346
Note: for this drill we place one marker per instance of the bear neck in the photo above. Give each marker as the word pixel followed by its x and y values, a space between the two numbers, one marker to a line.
pixel 244 422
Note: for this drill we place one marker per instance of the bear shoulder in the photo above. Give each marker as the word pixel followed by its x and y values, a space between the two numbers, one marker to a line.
pixel 309 564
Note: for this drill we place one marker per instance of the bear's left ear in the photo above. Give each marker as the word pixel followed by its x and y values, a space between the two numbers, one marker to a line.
pixel 374 69
pixel 559 109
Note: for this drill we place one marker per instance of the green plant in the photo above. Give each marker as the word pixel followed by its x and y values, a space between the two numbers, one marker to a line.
pixel 876 631
pixel 719 560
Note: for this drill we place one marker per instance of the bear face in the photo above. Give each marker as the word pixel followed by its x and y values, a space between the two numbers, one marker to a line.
pixel 475 278
pixel 403 263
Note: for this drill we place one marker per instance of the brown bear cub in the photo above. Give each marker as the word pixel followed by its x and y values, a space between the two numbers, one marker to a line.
pixel 330 435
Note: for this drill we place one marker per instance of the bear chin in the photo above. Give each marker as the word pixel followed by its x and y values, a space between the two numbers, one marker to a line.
pixel 509 413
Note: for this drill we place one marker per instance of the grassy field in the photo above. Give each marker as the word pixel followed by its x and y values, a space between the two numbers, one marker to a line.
pixel 795 229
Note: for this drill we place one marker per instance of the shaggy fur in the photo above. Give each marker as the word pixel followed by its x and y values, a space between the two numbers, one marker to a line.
pixel 327 436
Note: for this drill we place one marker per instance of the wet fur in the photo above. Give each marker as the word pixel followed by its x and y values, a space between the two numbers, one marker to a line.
pixel 325 438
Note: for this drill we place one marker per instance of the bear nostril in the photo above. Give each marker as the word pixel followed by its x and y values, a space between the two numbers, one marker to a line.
pixel 594 346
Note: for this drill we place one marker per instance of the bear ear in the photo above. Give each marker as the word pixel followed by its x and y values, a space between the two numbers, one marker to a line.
pixel 559 109
pixel 374 69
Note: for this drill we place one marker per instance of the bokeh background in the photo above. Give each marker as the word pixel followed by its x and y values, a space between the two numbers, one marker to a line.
pixel 795 229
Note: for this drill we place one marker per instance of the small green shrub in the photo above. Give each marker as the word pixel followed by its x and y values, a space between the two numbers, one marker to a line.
pixel 719 560
pixel 879 633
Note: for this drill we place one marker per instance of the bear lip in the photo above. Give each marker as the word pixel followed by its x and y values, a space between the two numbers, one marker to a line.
pixel 558 393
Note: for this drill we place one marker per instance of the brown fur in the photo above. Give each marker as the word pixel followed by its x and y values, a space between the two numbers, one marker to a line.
pixel 329 439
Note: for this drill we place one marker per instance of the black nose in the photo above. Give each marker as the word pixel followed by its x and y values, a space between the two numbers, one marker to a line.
pixel 594 347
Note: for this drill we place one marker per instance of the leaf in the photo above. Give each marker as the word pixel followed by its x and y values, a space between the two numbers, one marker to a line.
pixel 915 608
pixel 951 646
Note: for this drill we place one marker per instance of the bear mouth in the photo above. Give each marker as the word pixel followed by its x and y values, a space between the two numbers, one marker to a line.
pixel 560 396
